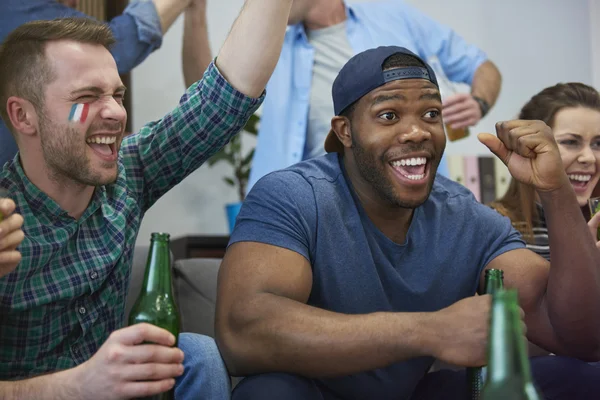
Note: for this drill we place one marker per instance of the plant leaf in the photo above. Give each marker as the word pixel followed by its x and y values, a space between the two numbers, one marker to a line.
pixel 248 159
pixel 252 125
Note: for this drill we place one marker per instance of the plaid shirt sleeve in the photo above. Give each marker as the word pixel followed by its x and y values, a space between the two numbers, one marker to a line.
pixel 164 152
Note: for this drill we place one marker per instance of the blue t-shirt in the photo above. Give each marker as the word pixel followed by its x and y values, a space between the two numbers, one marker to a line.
pixel 310 208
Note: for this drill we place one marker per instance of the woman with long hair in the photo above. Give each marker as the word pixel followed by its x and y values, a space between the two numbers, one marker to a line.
pixel 572 110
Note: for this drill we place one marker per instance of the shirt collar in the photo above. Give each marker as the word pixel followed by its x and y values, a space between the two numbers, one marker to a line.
pixel 41 203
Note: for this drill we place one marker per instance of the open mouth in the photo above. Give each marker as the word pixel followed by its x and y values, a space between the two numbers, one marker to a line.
pixel 580 181
pixel 412 170
pixel 104 146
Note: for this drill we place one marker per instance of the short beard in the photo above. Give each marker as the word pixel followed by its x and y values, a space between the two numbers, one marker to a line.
pixel 64 157
pixel 368 167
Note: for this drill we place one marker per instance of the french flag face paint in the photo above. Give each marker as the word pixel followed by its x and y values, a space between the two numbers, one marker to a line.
pixel 79 113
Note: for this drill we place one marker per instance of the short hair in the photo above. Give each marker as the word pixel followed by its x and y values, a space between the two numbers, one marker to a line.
pixel 396 60
pixel 24 69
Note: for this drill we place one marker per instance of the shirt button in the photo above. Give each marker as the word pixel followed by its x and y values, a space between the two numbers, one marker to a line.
pixel 94 275
pixel 75 351
pixel 82 310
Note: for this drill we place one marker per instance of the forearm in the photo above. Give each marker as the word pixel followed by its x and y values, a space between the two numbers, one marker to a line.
pixel 168 11
pixel 486 82
pixel 573 291
pixel 196 54
pixel 272 333
pixel 251 51
pixel 59 385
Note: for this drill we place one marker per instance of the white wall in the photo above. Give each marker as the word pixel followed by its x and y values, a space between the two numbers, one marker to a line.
pixel 535 43
pixel 595 40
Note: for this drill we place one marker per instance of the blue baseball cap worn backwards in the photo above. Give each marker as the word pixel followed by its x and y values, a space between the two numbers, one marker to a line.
pixel 364 73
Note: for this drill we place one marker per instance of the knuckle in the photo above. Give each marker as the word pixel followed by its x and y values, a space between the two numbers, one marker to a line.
pixel 114 353
pixel 152 372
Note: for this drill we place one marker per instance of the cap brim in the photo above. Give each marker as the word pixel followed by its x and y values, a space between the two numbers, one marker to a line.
pixel 333 144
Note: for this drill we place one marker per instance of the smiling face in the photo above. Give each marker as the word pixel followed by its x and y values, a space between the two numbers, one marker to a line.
pixel 83 118
pixel 396 142
pixel 577 132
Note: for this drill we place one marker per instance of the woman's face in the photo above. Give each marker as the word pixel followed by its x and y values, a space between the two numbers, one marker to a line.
pixel 577 132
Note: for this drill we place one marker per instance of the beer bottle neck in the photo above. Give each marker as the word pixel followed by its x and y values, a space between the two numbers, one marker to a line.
pixel 503 358
pixel 494 281
pixel 158 268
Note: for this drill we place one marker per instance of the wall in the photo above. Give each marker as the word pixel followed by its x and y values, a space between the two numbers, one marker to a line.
pixel 535 43
pixel 595 40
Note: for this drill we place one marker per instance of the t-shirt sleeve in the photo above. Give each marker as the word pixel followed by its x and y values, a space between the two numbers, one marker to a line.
pixel 280 210
pixel 497 233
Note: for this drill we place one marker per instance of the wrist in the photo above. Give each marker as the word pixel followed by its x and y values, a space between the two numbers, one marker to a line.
pixel 484 106
pixel 70 381
pixel 424 334
pixel 558 195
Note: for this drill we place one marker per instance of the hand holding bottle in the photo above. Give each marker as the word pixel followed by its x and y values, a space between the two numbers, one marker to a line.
pixel 136 361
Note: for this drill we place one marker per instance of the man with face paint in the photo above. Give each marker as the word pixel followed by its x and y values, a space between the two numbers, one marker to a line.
pixel 348 274
pixel 83 188
pixel 138 31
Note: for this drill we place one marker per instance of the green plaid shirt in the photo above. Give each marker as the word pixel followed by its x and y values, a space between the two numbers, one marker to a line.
pixel 68 293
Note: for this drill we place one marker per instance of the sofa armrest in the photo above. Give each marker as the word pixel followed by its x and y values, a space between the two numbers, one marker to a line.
pixel 196 291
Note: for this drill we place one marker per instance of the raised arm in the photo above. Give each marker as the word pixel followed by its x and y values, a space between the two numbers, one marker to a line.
pixel 251 51
pixel 561 301
pixel 196 53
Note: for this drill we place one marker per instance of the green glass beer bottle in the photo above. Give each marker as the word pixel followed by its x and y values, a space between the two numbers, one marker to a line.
pixel 508 373
pixel 494 281
pixel 156 303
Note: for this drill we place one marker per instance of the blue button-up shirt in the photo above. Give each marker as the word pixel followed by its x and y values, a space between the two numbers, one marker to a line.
pixel 283 127
pixel 138 33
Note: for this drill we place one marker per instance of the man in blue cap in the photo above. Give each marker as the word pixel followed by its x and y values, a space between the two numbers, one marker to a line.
pixel 348 274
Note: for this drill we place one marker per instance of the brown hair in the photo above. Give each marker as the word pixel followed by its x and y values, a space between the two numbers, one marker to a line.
pixel 24 70
pixel 518 203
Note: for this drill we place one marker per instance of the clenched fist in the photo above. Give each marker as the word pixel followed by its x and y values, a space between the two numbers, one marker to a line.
pixel 529 151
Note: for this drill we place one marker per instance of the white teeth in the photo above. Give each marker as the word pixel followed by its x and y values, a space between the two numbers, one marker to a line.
pixel 102 139
pixel 410 161
pixel 415 177
pixel 581 178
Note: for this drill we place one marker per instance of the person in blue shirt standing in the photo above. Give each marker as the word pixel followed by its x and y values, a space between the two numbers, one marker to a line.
pixel 138 32
pixel 323 35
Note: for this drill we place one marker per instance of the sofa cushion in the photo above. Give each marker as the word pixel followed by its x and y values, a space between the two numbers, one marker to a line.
pixel 196 288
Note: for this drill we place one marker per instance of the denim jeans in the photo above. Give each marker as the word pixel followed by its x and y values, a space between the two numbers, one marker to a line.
pixel 557 378
pixel 205 376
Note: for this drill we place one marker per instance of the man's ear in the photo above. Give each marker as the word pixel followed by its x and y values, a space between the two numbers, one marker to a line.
pixel 23 115
pixel 341 127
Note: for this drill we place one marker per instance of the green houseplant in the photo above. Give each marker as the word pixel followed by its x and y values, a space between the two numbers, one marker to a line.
pixel 232 154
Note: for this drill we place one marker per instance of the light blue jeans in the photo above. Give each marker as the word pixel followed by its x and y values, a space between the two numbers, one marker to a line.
pixel 205 376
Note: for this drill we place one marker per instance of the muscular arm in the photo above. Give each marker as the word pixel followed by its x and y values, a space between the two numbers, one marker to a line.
pixel 263 323
pixel 486 82
pixel 195 52
pixel 561 301
pixel 251 51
